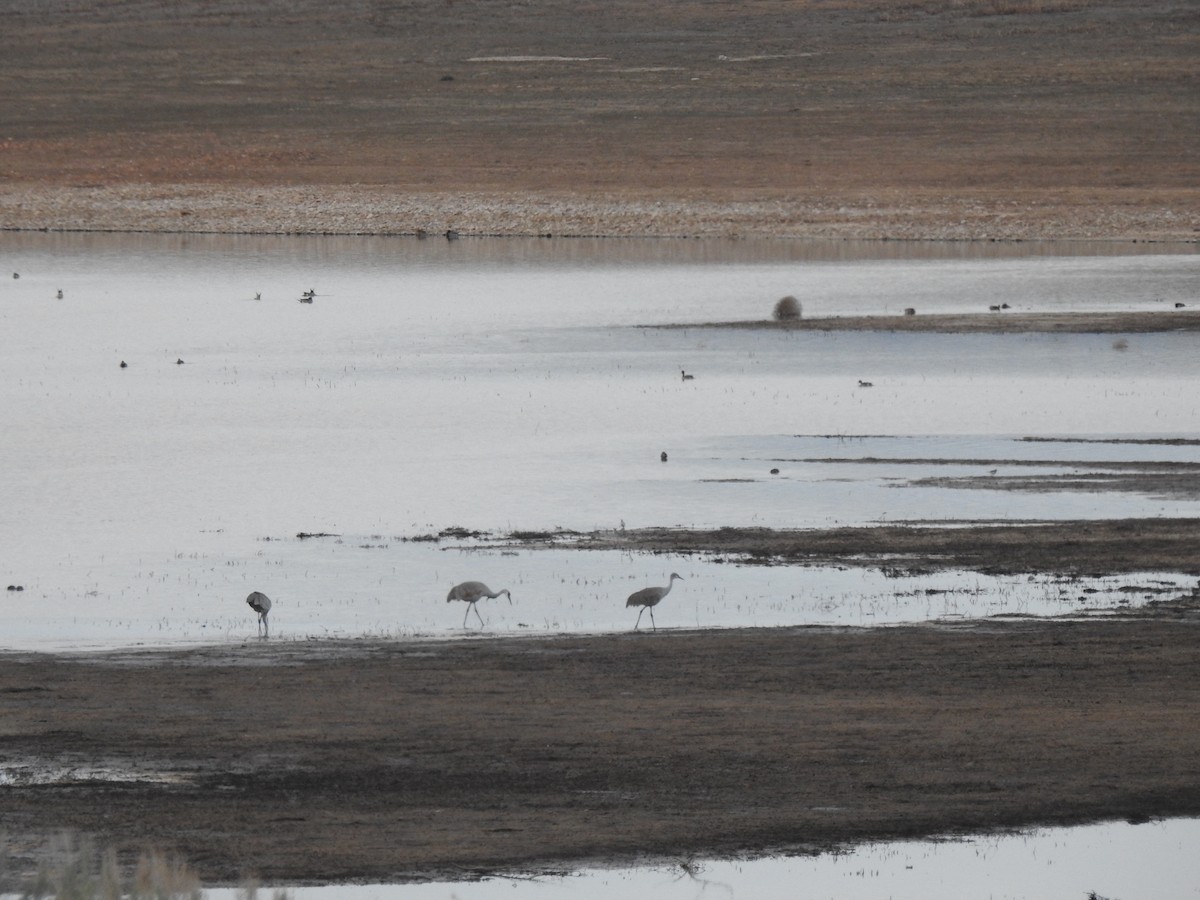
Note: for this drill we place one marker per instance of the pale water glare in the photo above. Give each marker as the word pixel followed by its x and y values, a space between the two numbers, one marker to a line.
pixel 501 385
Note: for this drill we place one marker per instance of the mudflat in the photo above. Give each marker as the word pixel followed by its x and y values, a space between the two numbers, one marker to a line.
pixel 327 762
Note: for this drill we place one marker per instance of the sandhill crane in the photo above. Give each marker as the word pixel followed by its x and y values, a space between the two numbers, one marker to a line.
pixel 648 598
pixel 471 592
pixel 261 604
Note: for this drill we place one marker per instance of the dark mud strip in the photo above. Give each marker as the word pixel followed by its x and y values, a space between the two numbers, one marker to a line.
pixel 1084 547
pixel 979 323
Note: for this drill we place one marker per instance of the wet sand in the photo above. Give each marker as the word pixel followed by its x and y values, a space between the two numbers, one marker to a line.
pixel 368 760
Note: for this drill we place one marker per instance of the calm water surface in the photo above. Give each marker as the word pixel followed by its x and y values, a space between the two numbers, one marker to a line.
pixel 508 384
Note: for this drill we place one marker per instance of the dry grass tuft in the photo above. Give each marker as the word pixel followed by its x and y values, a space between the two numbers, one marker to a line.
pixel 787 309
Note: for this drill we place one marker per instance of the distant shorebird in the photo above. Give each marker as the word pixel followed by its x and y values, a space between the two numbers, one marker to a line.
pixel 862 383
pixel 261 604
pixel 60 295
pixel 685 376
pixel 648 598
pixel 663 456
pixel 471 592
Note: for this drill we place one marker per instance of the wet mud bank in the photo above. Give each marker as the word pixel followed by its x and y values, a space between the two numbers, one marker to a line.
pixel 1125 322
pixel 1083 548
pixel 365 760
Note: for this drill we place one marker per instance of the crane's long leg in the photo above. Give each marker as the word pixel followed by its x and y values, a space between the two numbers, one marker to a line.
pixel 266 626
pixel 466 613
pixel 639 618
pixel 477 615
pixel 652 622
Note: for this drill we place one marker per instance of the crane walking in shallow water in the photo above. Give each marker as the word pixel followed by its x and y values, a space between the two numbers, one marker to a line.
pixel 261 604
pixel 648 598
pixel 472 592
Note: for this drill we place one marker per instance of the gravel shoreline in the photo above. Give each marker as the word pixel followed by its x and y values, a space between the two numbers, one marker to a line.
pixel 369 210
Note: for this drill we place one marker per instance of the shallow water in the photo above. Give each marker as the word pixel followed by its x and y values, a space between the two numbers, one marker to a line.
pixel 501 385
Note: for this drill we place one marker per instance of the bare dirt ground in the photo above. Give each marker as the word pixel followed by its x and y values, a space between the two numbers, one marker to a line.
pixel 931 119
pixel 328 761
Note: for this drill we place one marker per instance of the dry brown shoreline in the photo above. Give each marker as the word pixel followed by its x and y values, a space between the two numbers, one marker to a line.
pixel 323 209
pixel 973 120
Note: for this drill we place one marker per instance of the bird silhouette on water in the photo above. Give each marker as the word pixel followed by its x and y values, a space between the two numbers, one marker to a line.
pixel 471 592
pixel 261 604
pixel 648 598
